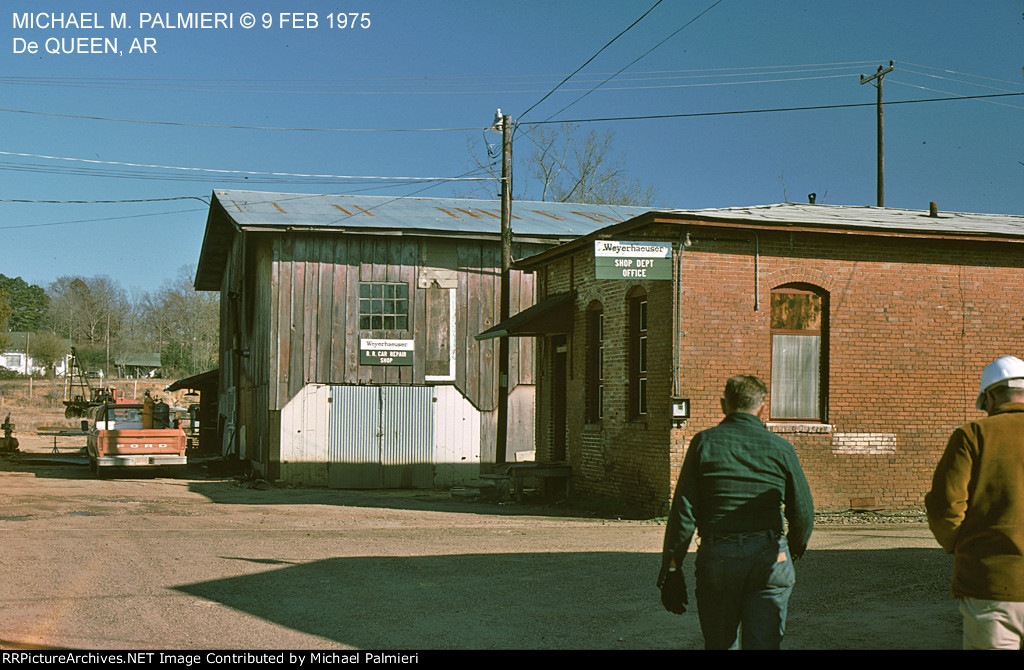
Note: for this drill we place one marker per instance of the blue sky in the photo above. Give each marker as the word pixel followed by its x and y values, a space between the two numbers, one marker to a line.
pixel 261 107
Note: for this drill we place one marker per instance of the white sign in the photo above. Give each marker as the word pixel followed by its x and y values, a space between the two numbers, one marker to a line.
pixel 632 260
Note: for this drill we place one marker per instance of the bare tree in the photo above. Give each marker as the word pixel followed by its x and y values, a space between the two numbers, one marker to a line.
pixel 570 166
pixel 584 168
pixel 48 350
pixel 189 324
pixel 135 334
pixel 108 324
pixel 86 309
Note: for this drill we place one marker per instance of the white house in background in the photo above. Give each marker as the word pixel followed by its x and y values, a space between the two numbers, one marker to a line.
pixel 17 355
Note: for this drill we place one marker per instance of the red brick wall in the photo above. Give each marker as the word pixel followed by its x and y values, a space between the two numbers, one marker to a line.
pixel 616 458
pixel 911 323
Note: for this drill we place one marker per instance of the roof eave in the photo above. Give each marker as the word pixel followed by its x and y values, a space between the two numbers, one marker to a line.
pixel 660 217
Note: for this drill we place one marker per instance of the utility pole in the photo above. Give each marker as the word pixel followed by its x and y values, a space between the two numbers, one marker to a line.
pixel 506 273
pixel 881 149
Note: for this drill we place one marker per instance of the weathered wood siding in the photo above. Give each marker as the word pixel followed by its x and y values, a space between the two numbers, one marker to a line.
pixel 315 313
pixel 291 318
pixel 245 350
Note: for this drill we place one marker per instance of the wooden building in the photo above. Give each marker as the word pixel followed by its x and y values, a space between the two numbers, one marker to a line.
pixel 870 326
pixel 348 353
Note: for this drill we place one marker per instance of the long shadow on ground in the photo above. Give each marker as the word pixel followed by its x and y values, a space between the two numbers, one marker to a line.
pixel 885 599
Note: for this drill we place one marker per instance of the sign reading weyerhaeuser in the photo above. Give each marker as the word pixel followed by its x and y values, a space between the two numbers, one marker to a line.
pixel 385 352
pixel 632 260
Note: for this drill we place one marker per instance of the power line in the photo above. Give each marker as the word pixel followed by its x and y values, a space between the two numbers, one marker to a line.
pixel 100 220
pixel 630 64
pixel 637 59
pixel 704 74
pixel 232 172
pixel 935 90
pixel 84 82
pixel 962 74
pixel 104 202
pixel 775 73
pixel 95 167
pixel 248 174
pixel 288 84
pixel 234 126
pixel 586 91
pixel 590 59
pixel 956 81
pixel 763 111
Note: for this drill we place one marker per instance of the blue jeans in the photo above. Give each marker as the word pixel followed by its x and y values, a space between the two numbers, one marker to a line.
pixel 743 582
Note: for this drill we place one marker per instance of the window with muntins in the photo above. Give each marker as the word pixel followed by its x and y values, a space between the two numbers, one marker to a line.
pixel 638 357
pixel 799 329
pixel 383 306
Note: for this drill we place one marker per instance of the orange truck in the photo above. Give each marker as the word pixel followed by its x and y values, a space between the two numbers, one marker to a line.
pixel 123 435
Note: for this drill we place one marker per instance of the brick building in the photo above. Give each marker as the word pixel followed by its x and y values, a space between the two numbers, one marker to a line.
pixel 870 326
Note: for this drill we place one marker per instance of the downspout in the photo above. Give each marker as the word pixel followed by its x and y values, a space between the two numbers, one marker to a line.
pixel 677 292
pixel 757 259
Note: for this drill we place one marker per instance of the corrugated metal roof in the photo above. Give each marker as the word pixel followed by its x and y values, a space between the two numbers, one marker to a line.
pixel 870 218
pixel 255 209
pixel 843 219
pixel 232 210
pixel 139 360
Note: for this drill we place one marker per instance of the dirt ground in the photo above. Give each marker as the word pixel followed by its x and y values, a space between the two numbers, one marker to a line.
pixel 152 562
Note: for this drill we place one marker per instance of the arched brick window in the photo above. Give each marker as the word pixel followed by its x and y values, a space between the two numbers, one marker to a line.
pixel 799 332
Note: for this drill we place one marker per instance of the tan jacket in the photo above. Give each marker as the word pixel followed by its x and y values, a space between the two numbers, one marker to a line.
pixel 976 505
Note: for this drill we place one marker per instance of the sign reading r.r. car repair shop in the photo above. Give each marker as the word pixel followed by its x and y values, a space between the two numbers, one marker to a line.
pixel 385 352
pixel 632 260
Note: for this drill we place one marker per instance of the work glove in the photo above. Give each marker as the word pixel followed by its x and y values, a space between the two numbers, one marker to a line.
pixel 673 592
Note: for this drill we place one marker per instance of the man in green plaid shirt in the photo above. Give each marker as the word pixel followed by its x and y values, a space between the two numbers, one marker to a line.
pixel 738 481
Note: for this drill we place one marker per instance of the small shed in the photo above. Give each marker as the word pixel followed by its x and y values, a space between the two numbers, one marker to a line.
pixel 348 357
pixel 203 416
pixel 138 365
pixel 870 326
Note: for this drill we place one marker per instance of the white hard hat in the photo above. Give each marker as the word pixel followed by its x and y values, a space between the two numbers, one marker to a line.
pixel 999 371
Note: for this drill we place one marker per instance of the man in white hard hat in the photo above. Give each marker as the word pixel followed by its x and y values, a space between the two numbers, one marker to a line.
pixel 976 510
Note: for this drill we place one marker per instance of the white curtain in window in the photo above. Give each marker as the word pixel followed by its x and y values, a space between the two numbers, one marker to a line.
pixel 796 374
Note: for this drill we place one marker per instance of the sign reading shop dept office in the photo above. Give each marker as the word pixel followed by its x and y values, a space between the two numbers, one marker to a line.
pixel 385 352
pixel 632 260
